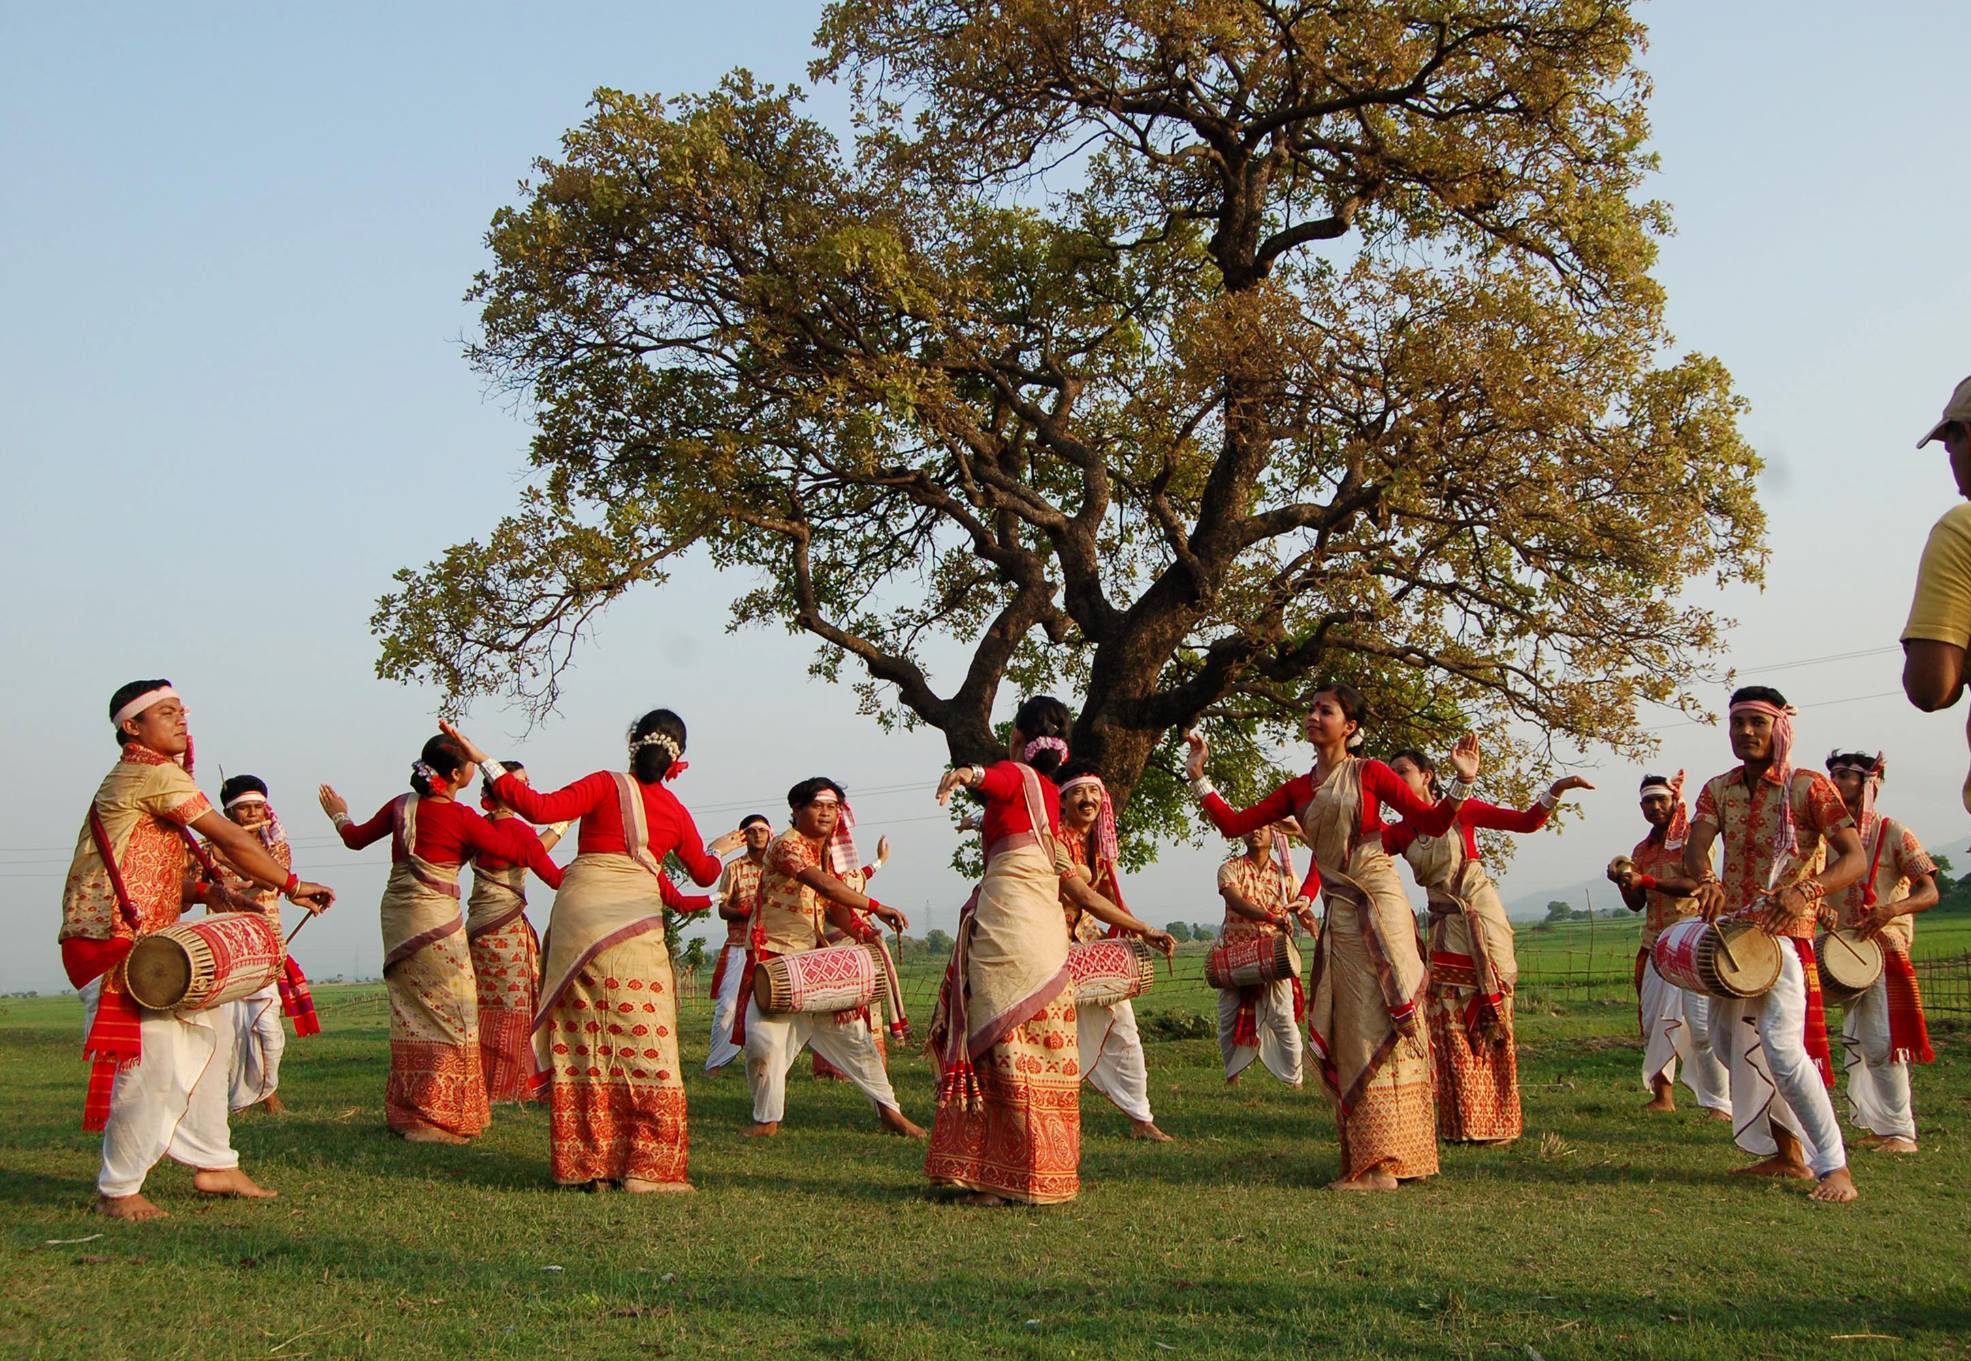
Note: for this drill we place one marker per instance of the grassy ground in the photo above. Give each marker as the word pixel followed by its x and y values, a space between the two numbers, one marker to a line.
pixel 1602 1233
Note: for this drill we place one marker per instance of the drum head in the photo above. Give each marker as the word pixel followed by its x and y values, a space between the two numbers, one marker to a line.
pixel 1849 959
pixel 762 987
pixel 158 973
pixel 1751 965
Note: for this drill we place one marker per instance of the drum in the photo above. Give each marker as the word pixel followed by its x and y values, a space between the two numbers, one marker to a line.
pixel 838 978
pixel 1252 961
pixel 1728 958
pixel 198 965
pixel 1105 972
pixel 1849 964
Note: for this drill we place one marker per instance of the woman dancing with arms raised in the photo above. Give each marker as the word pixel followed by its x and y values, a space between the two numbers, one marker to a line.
pixel 1009 1117
pixel 1366 988
pixel 605 1038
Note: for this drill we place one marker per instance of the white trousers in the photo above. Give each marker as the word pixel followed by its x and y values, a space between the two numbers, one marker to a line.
pixel 259 1040
pixel 1677 1027
pixel 1112 1057
pixel 1878 1083
pixel 1279 1033
pixel 774 1042
pixel 171 1102
pixel 725 1010
pixel 1763 1042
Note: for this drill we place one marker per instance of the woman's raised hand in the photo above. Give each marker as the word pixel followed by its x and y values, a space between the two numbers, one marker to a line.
pixel 727 841
pixel 952 781
pixel 333 803
pixel 472 752
pixel 1194 762
pixel 1561 786
pixel 1464 757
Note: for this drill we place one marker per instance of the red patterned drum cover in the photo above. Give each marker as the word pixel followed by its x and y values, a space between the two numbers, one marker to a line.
pixel 1252 961
pixel 1688 954
pixel 197 965
pixel 1105 972
pixel 839 978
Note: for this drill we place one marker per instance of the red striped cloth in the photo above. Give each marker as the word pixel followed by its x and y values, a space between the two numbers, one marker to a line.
pixel 1817 1048
pixel 1909 1035
pixel 297 1002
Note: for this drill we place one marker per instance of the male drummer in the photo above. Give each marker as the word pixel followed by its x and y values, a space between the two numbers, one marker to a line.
pixel 1884 1031
pixel 1775 822
pixel 802 887
pixel 739 885
pixel 159 1082
pixel 1676 1023
pixel 1262 1021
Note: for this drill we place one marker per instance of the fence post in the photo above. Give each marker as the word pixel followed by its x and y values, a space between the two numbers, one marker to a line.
pixel 1589 894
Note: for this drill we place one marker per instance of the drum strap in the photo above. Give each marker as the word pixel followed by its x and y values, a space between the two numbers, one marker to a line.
pixel 1874 862
pixel 116 1036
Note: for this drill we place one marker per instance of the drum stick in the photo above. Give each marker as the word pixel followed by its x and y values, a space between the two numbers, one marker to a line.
pixel 1724 948
pixel 306 917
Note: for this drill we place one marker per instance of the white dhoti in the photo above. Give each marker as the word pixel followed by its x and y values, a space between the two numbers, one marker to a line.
pixel 774 1042
pixel 1878 1082
pixel 259 1040
pixel 172 1101
pixel 1112 1057
pixel 1279 1034
pixel 1677 1029
pixel 731 969
pixel 1762 1042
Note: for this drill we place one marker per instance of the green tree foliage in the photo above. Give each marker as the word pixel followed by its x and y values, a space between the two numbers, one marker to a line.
pixel 1171 353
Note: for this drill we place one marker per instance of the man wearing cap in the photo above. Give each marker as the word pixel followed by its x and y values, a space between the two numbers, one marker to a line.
pixel 801 889
pixel 739 886
pixel 1776 823
pixel 159 1082
pixel 1939 626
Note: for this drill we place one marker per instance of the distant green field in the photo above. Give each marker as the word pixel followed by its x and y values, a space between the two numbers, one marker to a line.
pixel 1601 1234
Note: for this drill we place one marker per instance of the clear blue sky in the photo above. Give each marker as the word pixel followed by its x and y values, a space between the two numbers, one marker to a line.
pixel 235 245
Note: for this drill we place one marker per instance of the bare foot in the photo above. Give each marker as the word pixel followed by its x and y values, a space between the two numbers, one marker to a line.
pixel 763 1129
pixel 229 1181
pixel 1779 1165
pixel 1233 1080
pixel 981 1198
pixel 896 1122
pixel 1663 1102
pixel 1835 1187
pixel 1712 1114
pixel 425 1134
pixel 273 1105
pixel 1893 1145
pixel 135 1209
pixel 642 1187
pixel 1147 1129
pixel 1366 1181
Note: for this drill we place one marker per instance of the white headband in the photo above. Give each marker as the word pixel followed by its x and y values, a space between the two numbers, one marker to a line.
pixel 1649 789
pixel 825 796
pixel 250 796
pixel 1081 780
pixel 141 703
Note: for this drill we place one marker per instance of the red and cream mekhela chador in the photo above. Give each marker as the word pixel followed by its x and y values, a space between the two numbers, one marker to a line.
pixel 1473 971
pixel 1885 1031
pixel 435 1078
pixel 1262 1021
pixel 1110 1046
pixel 158 1081
pixel 1775 1047
pixel 605 1038
pixel 259 1040
pixel 790 918
pixel 1004 1037
pixel 1366 994
pixel 506 963
pixel 739 887
pixel 1675 1023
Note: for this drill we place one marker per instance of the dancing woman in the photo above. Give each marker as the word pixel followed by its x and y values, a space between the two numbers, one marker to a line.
pixel 605 1038
pixel 1367 979
pixel 1472 966
pixel 436 1092
pixel 1009 1117
pixel 506 954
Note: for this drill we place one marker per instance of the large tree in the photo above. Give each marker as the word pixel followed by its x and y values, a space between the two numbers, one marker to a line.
pixel 1168 353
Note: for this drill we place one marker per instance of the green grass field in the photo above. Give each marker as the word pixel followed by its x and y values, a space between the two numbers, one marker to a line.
pixel 1602 1233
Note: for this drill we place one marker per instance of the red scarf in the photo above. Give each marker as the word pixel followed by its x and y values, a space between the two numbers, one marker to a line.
pixel 1909 1035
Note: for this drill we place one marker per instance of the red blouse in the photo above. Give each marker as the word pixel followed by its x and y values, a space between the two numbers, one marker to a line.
pixel 1006 803
pixel 536 859
pixel 593 799
pixel 1472 815
pixel 448 833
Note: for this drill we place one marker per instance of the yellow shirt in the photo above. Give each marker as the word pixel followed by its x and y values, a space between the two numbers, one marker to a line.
pixel 1941 611
pixel 142 801
pixel 793 916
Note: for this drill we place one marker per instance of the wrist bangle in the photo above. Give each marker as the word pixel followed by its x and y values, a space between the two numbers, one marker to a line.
pixel 1459 789
pixel 1645 881
pixel 492 770
pixel 340 819
pixel 1202 787
pixel 293 883
pixel 1550 800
